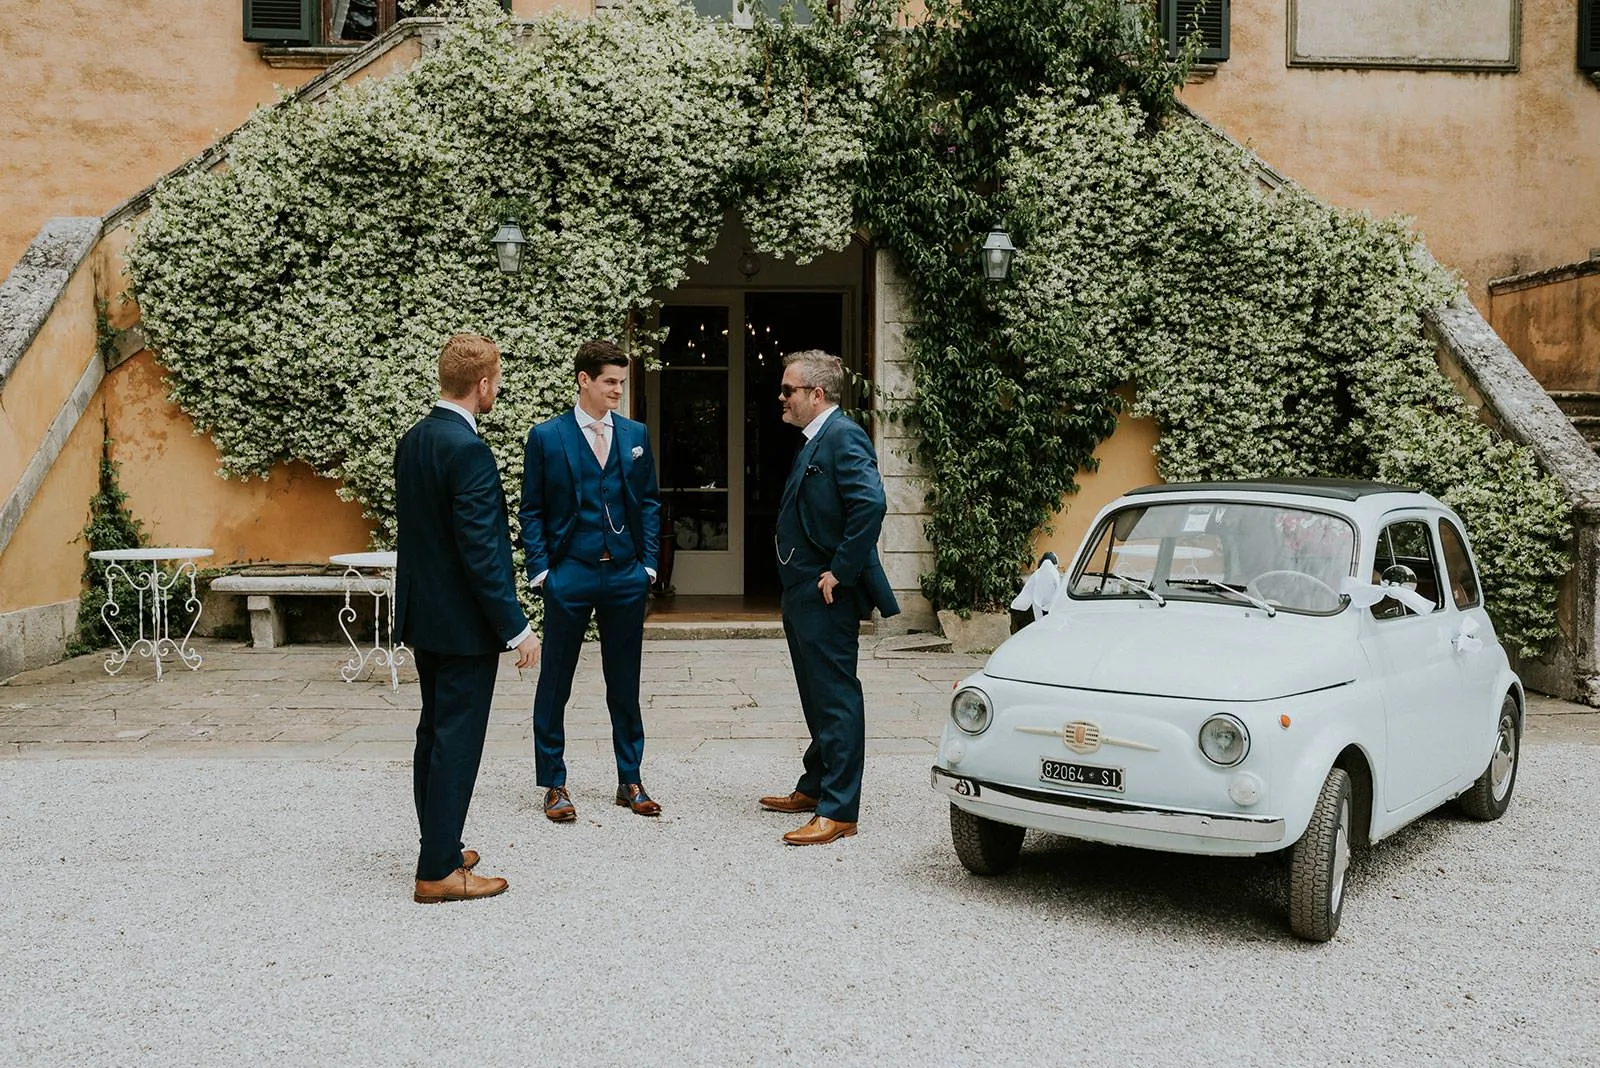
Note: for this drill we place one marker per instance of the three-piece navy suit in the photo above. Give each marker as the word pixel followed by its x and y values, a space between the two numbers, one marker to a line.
pixel 455 604
pixel 595 530
pixel 829 520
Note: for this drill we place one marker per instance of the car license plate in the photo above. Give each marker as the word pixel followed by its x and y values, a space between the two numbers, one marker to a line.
pixel 1095 778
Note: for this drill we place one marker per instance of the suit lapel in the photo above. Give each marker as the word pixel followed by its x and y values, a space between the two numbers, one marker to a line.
pixel 797 474
pixel 572 443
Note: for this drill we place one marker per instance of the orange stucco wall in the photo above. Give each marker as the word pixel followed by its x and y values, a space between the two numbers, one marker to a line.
pixel 46 374
pixel 99 98
pixel 43 562
pixel 1127 461
pixel 170 477
pixel 1554 329
pixel 1498 170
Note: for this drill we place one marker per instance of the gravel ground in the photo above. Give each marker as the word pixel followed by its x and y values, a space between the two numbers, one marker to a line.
pixel 247 912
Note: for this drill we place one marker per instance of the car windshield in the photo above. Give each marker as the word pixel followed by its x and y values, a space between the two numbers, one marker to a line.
pixel 1262 554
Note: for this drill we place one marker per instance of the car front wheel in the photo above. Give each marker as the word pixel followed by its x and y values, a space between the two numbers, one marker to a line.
pixel 1490 796
pixel 984 847
pixel 1319 861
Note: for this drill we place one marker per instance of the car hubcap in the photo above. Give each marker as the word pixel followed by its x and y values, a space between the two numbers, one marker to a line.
pixel 1504 759
pixel 1341 858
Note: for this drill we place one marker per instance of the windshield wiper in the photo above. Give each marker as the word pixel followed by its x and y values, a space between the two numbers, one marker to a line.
pixel 1139 584
pixel 1223 587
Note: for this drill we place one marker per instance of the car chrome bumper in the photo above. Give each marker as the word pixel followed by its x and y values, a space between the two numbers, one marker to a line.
pixel 1105 812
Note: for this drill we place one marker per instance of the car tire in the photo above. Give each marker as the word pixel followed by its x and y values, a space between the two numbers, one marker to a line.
pixel 984 847
pixel 1489 797
pixel 1320 860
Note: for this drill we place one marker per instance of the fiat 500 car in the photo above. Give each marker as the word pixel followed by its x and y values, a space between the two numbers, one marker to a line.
pixel 1239 668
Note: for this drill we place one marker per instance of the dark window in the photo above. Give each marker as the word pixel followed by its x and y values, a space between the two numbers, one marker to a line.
pixel 743 12
pixel 1458 565
pixel 1180 18
pixel 323 22
pixel 1407 544
pixel 1589 34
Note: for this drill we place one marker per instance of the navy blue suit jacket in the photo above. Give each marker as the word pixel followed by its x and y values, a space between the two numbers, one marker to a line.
pixel 455 586
pixel 832 510
pixel 550 489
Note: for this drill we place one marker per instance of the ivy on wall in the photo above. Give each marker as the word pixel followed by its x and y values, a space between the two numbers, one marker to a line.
pixel 111 525
pixel 1270 335
pixel 298 297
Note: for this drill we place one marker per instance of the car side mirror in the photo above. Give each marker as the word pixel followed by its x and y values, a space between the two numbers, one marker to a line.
pixel 1400 575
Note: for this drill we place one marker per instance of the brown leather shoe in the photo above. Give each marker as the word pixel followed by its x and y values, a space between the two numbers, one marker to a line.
pixel 558 806
pixel 632 795
pixel 470 858
pixel 459 885
pixel 794 802
pixel 820 831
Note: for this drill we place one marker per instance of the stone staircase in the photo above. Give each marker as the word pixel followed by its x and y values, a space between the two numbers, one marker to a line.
pixel 1583 408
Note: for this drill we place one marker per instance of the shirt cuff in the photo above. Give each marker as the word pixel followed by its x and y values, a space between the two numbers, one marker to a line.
pixel 651 572
pixel 538 580
pixel 527 632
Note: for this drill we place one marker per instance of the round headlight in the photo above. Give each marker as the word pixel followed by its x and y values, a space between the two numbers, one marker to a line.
pixel 1224 740
pixel 970 709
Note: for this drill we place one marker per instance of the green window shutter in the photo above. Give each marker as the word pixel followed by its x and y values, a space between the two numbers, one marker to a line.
pixel 286 21
pixel 1180 18
pixel 1589 34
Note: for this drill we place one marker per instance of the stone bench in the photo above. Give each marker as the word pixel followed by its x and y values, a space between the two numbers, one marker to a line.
pixel 263 593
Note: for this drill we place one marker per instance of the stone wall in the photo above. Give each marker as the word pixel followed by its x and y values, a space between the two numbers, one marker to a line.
pixel 1490 376
pixel 1551 320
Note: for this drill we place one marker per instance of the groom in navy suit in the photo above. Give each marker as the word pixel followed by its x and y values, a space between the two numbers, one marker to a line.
pixel 828 524
pixel 455 605
pixel 591 526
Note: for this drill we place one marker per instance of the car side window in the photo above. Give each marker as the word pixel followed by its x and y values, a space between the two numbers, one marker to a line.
pixel 1405 554
pixel 1458 565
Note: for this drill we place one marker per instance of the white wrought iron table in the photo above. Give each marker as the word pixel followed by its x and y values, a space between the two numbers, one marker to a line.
pixel 385 651
pixel 154 587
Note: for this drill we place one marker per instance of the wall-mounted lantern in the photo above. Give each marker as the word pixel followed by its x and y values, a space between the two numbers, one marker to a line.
pixel 508 242
pixel 997 253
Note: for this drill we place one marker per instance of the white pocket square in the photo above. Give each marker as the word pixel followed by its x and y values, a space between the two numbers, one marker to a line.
pixel 638 451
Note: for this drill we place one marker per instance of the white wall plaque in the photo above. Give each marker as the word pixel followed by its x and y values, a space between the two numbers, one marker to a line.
pixel 1428 34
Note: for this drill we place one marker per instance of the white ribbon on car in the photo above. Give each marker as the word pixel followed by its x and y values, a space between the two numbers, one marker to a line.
pixel 1039 592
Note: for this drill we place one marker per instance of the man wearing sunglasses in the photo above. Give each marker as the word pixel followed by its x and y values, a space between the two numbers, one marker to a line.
pixel 828 524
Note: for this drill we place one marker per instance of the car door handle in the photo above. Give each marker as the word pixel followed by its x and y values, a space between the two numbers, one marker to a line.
pixel 1466 639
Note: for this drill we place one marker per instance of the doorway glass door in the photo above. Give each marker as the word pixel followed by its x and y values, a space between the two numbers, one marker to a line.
pixel 702 486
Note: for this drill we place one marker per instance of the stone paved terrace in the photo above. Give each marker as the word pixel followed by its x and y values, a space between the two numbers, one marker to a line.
pixel 705 697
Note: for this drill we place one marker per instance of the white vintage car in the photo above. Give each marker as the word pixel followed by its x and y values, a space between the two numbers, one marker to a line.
pixel 1238 668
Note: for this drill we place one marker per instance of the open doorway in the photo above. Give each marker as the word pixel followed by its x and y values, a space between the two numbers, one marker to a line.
pixel 776 324
pixel 723 450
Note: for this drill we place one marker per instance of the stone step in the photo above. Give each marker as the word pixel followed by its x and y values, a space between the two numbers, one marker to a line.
pixel 1577 402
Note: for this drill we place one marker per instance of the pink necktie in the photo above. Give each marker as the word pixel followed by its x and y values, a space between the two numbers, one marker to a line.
pixel 599 442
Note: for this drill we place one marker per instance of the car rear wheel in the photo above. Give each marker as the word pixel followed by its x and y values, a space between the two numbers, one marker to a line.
pixel 1319 862
pixel 983 846
pixel 1490 796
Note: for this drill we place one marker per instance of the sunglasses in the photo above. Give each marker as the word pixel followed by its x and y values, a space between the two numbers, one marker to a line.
pixel 787 391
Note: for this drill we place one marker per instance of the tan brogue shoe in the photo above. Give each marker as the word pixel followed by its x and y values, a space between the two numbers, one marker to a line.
pixel 794 802
pixel 631 795
pixel 470 858
pixel 820 831
pixel 459 885
pixel 558 806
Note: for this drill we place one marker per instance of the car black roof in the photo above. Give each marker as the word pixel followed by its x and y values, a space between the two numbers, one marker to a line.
pixel 1343 489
